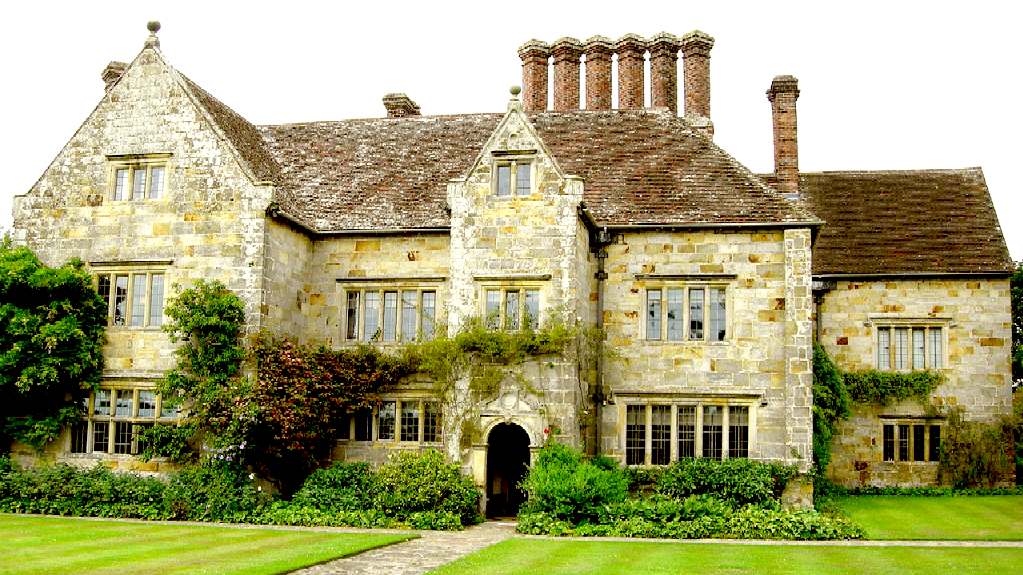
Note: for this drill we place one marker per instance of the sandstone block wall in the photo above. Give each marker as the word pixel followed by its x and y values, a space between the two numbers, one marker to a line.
pixel 975 316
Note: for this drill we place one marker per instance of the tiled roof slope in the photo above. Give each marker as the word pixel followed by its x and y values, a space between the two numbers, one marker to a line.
pixel 383 173
pixel 638 167
pixel 243 136
pixel 896 222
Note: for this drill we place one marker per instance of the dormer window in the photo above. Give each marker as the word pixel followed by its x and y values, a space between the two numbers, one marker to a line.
pixel 514 177
pixel 139 179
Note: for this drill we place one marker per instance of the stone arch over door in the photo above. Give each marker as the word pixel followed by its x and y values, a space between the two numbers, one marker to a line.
pixel 508 448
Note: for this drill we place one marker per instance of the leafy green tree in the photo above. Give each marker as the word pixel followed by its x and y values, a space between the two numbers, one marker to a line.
pixel 52 326
pixel 1016 288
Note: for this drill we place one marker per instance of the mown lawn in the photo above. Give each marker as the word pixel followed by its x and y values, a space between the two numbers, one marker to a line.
pixel 995 517
pixel 67 545
pixel 553 557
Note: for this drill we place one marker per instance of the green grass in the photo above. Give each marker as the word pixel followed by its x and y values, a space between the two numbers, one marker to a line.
pixel 66 545
pixel 553 557
pixel 994 517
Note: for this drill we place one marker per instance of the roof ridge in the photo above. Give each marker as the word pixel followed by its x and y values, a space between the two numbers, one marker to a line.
pixel 381 119
pixel 896 171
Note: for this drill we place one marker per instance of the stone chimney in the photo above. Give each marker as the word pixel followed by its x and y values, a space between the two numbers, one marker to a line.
pixel 112 73
pixel 566 52
pixel 696 47
pixel 782 95
pixel 400 106
pixel 534 55
pixel 598 73
pixel 664 71
pixel 631 49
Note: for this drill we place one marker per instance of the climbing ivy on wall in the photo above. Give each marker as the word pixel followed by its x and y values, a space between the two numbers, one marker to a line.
pixel 887 387
pixel 52 325
pixel 830 405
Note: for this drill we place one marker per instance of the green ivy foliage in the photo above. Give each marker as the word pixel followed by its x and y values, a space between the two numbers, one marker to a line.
pixel 173 442
pixel 52 326
pixel 830 405
pixel 886 387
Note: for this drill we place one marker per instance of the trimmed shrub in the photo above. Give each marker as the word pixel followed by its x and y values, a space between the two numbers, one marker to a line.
pixel 342 487
pixel 423 482
pixel 214 492
pixel 753 522
pixel 739 481
pixel 564 485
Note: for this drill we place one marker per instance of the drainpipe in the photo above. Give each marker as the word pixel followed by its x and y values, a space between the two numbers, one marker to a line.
pixel 603 238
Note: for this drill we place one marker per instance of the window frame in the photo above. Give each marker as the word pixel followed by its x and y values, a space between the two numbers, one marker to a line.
pixel 684 324
pixel 399 402
pixel 646 406
pixel 906 448
pixel 132 165
pixel 890 329
pixel 148 307
pixel 110 422
pixel 382 290
pixel 512 162
pixel 522 289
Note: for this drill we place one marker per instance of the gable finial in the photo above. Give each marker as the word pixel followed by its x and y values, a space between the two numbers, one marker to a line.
pixel 514 103
pixel 152 41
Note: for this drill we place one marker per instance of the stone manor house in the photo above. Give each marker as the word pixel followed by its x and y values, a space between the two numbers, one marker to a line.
pixel 712 282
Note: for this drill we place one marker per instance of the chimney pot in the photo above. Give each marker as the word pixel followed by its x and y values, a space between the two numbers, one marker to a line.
pixel 400 106
pixel 112 73
pixel 631 49
pixel 598 51
pixel 696 47
pixel 783 94
pixel 664 71
pixel 566 52
pixel 534 55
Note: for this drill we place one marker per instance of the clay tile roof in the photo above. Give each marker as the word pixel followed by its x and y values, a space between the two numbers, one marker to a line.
pixel 651 167
pixel 638 167
pixel 243 136
pixel 905 222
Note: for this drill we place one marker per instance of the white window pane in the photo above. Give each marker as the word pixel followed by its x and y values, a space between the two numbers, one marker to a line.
pixel 686 431
pixel 738 431
pixel 125 399
pixel 635 434
pixel 532 318
pixel 717 314
pixel 147 403
pixel 522 187
pixel 390 315
pixel 408 315
pixel 918 348
pixel 511 309
pixel 713 419
pixel 884 349
pixel 352 316
pixel 653 314
pixel 503 180
pixel 493 308
pixel 138 299
pixel 120 300
pixel 138 189
pixel 372 316
pixel 429 315
pixel 901 348
pixel 937 354
pixel 156 301
pixel 101 402
pixel 156 183
pixel 675 313
pixel 120 183
pixel 696 299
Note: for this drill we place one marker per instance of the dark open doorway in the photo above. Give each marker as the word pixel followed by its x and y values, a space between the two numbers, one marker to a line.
pixel 507 459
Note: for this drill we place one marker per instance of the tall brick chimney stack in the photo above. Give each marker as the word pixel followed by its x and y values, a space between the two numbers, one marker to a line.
pixel 630 48
pixel 664 71
pixel 696 47
pixel 782 95
pixel 400 106
pixel 534 55
pixel 566 53
pixel 598 72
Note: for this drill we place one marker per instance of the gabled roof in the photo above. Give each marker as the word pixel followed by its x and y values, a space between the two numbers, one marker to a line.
pixel 905 222
pixel 638 167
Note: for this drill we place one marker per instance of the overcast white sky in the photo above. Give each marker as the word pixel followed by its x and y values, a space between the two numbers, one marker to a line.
pixel 885 85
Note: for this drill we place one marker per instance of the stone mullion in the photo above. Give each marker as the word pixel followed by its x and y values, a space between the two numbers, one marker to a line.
pixel 698 449
pixel 648 436
pixel 674 434
pixel 725 442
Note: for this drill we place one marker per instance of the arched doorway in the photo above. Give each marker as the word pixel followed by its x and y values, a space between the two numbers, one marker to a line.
pixel 507 459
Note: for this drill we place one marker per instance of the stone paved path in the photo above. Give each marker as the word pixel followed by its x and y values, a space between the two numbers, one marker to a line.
pixel 431 550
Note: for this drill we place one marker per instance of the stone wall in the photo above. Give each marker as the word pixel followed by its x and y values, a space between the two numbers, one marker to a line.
pixel 764 358
pixel 976 318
